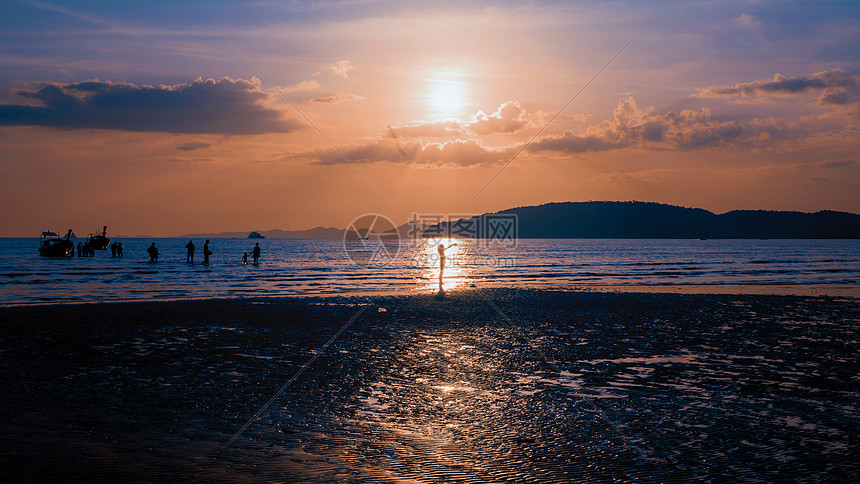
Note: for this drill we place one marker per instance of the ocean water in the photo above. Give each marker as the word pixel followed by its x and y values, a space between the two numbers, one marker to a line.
pixel 320 267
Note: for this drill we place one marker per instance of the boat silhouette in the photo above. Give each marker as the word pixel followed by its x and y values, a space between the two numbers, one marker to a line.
pixel 52 245
pixel 99 241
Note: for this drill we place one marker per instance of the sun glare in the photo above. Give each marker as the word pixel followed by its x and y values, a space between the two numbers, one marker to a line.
pixel 447 97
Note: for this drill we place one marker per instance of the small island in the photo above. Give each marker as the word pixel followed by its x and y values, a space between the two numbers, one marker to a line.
pixel 256 235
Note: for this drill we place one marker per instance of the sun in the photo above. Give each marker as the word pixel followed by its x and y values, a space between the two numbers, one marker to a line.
pixel 447 97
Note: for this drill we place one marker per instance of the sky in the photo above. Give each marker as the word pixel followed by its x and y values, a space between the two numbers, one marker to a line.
pixel 166 118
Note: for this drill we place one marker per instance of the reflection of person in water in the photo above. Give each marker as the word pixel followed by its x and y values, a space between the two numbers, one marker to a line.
pixel 153 253
pixel 441 249
pixel 206 253
pixel 189 256
pixel 256 254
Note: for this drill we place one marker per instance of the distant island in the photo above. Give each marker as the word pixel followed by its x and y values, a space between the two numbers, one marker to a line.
pixel 649 220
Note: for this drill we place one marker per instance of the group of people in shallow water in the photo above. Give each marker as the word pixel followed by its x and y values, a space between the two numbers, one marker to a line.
pixel 191 249
pixel 116 249
pixel 85 249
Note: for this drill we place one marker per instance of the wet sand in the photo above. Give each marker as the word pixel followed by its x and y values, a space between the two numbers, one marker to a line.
pixel 831 290
pixel 496 385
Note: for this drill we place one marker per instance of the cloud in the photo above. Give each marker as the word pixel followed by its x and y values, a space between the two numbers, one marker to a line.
pixel 455 153
pixel 836 164
pixel 438 129
pixel 341 68
pixel 336 98
pixel 833 96
pixel 688 130
pixel 509 118
pixel 226 106
pixel 747 21
pixel 834 86
pixel 302 86
pixel 193 145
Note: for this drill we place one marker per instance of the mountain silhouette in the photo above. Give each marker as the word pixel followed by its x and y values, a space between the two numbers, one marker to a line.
pixel 649 220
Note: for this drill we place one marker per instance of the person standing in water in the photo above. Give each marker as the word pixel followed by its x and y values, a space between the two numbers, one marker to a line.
pixel 153 253
pixel 206 253
pixel 189 255
pixel 441 249
pixel 255 254
pixel 119 249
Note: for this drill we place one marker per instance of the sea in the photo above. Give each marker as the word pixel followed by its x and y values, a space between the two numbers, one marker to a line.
pixel 336 267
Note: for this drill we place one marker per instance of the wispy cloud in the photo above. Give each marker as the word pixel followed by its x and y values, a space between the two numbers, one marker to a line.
pixel 836 164
pixel 336 98
pixel 67 11
pixel 341 68
pixel 301 86
pixel 747 21
pixel 193 145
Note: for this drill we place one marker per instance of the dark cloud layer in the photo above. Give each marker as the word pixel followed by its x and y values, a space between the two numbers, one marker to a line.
pixel 226 106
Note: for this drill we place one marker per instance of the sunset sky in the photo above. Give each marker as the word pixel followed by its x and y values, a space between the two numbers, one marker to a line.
pixel 142 116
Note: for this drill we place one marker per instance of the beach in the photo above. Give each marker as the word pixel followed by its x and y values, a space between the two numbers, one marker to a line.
pixel 481 385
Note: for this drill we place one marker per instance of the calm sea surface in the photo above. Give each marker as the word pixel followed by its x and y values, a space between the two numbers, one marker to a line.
pixel 291 267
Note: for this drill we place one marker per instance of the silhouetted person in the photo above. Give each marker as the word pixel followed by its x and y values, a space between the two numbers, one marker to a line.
pixel 245 259
pixel 80 249
pixel 256 254
pixel 153 253
pixel 119 249
pixel 441 249
pixel 189 256
pixel 206 253
pixel 113 249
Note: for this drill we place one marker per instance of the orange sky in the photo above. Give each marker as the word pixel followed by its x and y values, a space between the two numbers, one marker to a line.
pixel 722 109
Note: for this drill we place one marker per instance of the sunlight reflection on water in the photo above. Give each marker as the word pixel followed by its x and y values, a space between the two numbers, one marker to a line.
pixel 457 263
